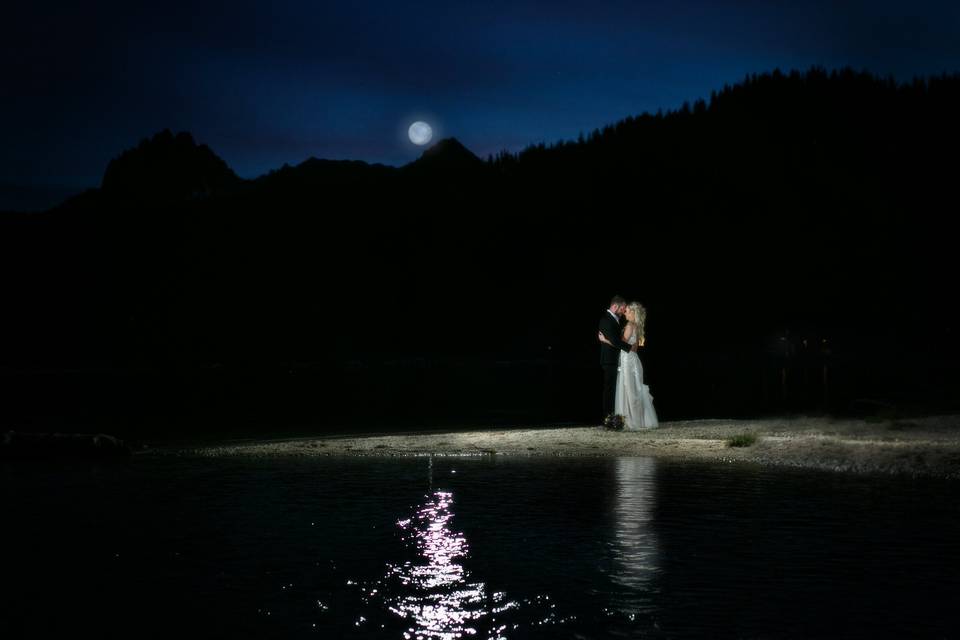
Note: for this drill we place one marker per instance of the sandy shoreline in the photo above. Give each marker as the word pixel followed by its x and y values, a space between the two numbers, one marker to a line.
pixel 928 446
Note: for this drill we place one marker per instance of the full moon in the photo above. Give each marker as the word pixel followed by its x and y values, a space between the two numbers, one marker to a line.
pixel 420 133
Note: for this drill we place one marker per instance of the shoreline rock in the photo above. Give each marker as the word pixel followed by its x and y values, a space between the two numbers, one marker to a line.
pixel 16 446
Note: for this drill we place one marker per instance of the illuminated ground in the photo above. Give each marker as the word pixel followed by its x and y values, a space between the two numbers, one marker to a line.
pixel 927 446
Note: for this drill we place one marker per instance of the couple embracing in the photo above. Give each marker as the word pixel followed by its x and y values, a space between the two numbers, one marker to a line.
pixel 624 393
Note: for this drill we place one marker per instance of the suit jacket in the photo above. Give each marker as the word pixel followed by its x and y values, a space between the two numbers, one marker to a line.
pixel 610 328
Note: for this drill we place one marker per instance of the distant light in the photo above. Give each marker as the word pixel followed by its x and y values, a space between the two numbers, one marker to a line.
pixel 420 133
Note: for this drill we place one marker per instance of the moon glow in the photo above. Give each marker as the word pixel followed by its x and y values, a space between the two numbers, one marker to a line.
pixel 420 133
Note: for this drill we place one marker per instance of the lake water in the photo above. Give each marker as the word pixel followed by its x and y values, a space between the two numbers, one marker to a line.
pixel 450 547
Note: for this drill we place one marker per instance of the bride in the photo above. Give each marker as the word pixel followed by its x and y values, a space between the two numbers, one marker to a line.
pixel 633 399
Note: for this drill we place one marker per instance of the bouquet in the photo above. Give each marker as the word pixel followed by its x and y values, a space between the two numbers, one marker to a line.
pixel 613 422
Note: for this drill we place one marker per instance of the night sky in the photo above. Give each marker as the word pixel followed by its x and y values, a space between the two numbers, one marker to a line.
pixel 268 83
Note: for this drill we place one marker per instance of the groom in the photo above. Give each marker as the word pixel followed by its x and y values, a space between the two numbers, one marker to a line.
pixel 610 356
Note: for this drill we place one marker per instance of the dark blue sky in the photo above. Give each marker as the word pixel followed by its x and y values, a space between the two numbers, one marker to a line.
pixel 264 83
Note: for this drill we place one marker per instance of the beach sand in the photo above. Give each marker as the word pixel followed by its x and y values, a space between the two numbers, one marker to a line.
pixel 926 446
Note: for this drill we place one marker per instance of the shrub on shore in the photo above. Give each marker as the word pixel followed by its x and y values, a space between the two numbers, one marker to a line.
pixel 742 440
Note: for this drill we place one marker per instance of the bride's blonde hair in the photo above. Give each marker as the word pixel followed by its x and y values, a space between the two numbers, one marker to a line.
pixel 639 317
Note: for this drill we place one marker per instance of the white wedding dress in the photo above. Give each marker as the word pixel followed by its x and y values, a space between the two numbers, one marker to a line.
pixel 633 399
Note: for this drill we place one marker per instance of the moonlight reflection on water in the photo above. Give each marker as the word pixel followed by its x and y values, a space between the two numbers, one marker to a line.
pixel 437 596
pixel 429 592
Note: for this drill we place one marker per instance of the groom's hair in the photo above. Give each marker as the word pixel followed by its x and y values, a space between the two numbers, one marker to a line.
pixel 617 300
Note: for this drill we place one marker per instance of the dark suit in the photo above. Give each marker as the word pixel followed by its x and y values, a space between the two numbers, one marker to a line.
pixel 610 358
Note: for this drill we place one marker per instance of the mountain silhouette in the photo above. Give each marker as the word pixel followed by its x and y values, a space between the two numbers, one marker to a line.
pixel 168 167
pixel 448 157
pixel 321 173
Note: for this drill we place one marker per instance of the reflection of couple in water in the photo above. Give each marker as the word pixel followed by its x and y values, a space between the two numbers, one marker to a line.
pixel 624 392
